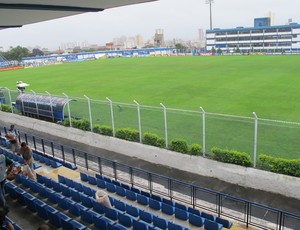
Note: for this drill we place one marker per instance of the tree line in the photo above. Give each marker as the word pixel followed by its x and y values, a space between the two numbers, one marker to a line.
pixel 19 52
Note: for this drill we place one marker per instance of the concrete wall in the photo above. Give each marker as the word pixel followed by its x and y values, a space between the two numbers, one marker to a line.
pixel 246 177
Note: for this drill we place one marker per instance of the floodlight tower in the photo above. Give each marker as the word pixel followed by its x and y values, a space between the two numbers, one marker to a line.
pixel 210 2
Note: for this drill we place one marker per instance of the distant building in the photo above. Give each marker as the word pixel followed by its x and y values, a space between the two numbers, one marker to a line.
pixel 260 38
pixel 159 38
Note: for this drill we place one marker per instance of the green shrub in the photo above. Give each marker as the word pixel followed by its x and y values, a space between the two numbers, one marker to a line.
pixel 179 145
pixel 75 123
pixel 232 157
pixel 196 150
pixel 6 108
pixel 161 143
pixel 150 139
pixel 97 129
pixel 84 125
pixel 106 130
pixel 128 134
pixel 279 165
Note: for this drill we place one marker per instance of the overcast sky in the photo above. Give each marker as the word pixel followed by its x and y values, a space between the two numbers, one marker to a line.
pixel 178 19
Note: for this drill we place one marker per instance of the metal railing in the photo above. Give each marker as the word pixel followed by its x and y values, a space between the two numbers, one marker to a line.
pixel 241 210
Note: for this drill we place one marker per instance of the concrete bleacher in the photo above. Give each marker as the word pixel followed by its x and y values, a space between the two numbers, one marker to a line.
pixel 64 197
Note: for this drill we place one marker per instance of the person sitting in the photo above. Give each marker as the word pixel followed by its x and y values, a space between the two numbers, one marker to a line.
pixel 24 170
pixel 12 137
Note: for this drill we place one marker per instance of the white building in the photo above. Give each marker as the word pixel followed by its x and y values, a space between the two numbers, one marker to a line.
pixel 260 38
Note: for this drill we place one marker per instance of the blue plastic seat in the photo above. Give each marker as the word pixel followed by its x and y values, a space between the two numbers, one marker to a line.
pixel 29 201
pixel 181 206
pixel 125 186
pixel 111 187
pixel 169 202
pixel 154 204
pixel 103 222
pixel 78 186
pixel 47 161
pixel 111 213
pixel 136 190
pixel 156 197
pixel 51 196
pixel 146 216
pixel 76 209
pixel 120 205
pixel 69 182
pixel 54 219
pixel 77 225
pixel 133 211
pixel 40 178
pixel 194 211
pixel 117 183
pixel 140 225
pixel 174 226
pixel 125 220
pixel 56 186
pixel 20 195
pixel 41 208
pixel 211 225
pixel 11 190
pixel 92 180
pixel 181 214
pixel 167 209
pixel 147 194
pixel 130 195
pixel 48 182
pixel 101 183
pixel 65 190
pixel 98 176
pixel 61 179
pixel 84 177
pixel 65 221
pixel 120 191
pixel 88 191
pixel 99 208
pixel 208 216
pixel 141 199
pixel 88 216
pixel 225 223
pixel 86 201
pixel 160 222
pixel 107 179
pixel 65 203
pixel 55 164
pixel 76 196
pixel 196 220
pixel 116 227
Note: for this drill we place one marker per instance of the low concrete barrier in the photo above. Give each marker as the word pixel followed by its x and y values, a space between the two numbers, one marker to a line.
pixel 246 177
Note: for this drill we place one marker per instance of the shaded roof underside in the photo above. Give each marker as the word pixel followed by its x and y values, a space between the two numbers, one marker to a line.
pixel 16 13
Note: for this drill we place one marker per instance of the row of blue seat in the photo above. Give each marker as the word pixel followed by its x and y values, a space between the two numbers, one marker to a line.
pixel 155 202
pixel 51 161
pixel 129 216
pixel 45 211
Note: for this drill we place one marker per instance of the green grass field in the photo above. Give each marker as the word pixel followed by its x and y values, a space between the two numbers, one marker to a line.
pixel 237 85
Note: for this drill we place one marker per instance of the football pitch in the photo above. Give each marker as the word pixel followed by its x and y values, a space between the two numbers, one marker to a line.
pixel 236 85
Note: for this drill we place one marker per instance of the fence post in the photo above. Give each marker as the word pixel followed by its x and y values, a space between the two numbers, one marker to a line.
pixel 69 112
pixel 255 138
pixel 166 126
pixel 36 106
pixel 90 112
pixel 203 132
pixel 51 105
pixel 139 119
pixel 9 96
pixel 112 115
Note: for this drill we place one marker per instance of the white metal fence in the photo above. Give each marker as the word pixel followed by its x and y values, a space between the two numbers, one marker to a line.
pixel 252 134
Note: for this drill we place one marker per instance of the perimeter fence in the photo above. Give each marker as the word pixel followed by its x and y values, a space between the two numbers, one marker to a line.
pixel 253 135
pixel 241 210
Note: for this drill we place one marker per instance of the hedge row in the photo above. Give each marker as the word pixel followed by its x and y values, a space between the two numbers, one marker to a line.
pixel 279 165
pixel 5 108
pixel 232 157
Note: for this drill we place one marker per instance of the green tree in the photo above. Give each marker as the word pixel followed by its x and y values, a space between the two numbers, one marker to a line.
pixel 37 52
pixel 16 53
pixel 180 47
pixel 237 49
pixel 219 51
pixel 213 50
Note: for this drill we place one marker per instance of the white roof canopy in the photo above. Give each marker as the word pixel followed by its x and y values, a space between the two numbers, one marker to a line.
pixel 16 13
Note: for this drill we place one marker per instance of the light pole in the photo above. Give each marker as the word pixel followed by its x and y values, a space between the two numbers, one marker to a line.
pixel 210 12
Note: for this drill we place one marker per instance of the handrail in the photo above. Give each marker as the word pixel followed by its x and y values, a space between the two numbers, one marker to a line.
pixel 280 218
